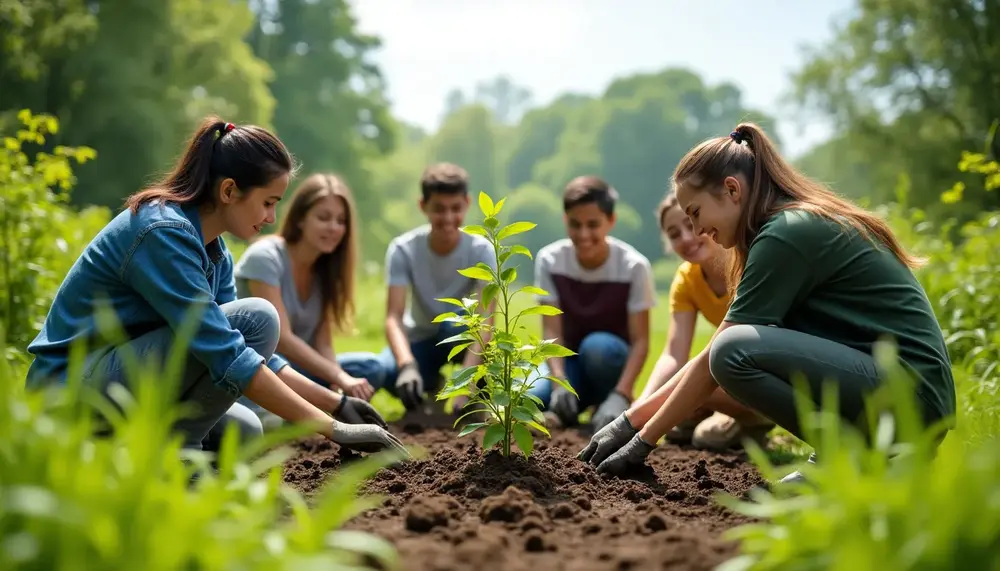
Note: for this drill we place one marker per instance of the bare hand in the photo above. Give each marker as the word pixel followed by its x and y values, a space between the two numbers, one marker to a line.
pixel 355 387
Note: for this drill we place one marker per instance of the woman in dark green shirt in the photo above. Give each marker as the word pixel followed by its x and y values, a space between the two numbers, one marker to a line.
pixel 817 282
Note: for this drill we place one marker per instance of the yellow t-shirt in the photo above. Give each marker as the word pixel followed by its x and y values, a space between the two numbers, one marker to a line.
pixel 690 292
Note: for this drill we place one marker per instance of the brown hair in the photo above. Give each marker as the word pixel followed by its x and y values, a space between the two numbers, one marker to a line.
pixel 669 201
pixel 252 156
pixel 336 269
pixel 444 178
pixel 774 185
pixel 590 189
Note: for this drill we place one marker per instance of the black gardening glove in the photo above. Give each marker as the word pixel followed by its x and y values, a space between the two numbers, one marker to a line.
pixel 358 411
pixel 632 454
pixel 608 440
pixel 366 438
pixel 566 406
pixel 410 385
pixel 615 404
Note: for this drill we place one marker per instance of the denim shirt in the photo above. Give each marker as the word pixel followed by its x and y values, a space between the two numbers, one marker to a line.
pixel 154 269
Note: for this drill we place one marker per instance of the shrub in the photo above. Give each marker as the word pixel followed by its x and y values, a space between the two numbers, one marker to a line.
pixel 41 234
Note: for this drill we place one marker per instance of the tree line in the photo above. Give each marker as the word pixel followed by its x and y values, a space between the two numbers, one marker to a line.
pixel 910 86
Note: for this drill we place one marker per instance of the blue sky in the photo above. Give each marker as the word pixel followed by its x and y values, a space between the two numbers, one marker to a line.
pixel 554 46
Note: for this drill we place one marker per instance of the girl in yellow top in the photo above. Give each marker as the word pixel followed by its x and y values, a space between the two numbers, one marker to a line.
pixel 699 286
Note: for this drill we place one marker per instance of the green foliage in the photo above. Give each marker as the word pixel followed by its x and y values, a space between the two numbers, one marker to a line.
pixel 132 499
pixel 41 235
pixel 908 84
pixel 499 385
pixel 893 505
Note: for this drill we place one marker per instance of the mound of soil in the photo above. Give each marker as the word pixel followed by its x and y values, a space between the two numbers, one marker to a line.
pixel 458 509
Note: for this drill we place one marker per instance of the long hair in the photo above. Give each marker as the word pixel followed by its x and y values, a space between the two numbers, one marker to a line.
pixel 252 156
pixel 336 269
pixel 774 185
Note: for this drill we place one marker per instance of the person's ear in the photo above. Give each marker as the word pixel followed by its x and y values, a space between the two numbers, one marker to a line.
pixel 228 192
pixel 733 188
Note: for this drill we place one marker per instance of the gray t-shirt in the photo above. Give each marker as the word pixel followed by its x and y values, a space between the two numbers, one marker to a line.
pixel 267 261
pixel 410 262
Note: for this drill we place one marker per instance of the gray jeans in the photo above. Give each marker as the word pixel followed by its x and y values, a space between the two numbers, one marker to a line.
pixel 214 408
pixel 755 365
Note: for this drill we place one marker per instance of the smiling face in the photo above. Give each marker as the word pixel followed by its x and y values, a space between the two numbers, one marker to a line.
pixel 326 223
pixel 588 227
pixel 245 213
pixel 681 237
pixel 446 213
pixel 715 214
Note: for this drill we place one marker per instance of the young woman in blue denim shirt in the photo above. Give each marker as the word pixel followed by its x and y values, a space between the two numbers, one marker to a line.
pixel 307 272
pixel 162 261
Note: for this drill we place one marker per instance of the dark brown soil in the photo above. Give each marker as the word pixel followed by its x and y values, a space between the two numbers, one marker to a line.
pixel 458 509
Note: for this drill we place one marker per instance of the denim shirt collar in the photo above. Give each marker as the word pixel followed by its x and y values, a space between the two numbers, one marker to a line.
pixel 213 248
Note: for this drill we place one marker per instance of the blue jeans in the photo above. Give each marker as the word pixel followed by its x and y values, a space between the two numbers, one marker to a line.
pixel 430 358
pixel 215 408
pixel 593 372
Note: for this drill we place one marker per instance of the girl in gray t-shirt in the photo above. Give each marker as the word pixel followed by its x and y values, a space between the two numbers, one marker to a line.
pixel 307 272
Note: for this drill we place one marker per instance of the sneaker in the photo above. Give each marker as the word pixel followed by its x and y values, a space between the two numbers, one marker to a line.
pixel 722 432
pixel 683 432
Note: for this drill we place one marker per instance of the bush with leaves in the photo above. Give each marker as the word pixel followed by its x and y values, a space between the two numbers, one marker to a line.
pixel 498 387
pixel 133 499
pixel 897 503
pixel 41 234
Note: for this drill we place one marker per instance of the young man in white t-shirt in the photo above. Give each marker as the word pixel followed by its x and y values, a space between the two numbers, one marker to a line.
pixel 605 290
pixel 425 262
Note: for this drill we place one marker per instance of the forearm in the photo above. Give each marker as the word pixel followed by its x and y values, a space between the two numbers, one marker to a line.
pixel 293 348
pixel 398 343
pixel 633 366
pixel 271 393
pixel 665 368
pixel 644 409
pixel 317 395
pixel 694 386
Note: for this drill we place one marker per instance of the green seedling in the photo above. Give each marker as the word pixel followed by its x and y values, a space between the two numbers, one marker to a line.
pixel 498 387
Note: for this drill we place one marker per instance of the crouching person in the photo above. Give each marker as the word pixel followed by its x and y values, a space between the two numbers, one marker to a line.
pixel 818 282
pixel 164 256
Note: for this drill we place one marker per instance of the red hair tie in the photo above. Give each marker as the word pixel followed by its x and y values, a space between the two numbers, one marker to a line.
pixel 229 127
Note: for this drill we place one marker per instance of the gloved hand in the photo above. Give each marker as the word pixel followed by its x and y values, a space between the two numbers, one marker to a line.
pixel 565 405
pixel 366 438
pixel 358 411
pixel 615 404
pixel 632 454
pixel 410 385
pixel 608 440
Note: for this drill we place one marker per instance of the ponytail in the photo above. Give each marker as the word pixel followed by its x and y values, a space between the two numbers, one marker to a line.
pixel 774 185
pixel 217 150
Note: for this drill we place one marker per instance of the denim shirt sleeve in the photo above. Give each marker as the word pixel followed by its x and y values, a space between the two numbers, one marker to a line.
pixel 165 268
pixel 227 282
pixel 227 293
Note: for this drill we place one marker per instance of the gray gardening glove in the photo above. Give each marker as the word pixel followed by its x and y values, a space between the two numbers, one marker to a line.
pixel 632 454
pixel 410 386
pixel 615 404
pixel 358 411
pixel 366 438
pixel 565 405
pixel 608 440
